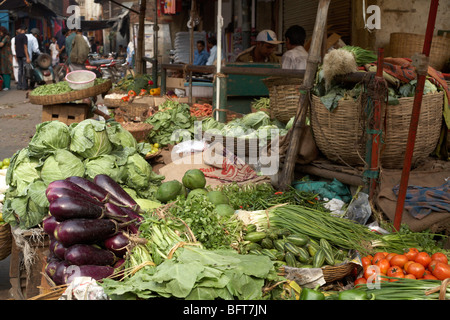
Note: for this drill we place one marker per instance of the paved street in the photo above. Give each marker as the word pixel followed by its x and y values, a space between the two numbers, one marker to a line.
pixel 18 120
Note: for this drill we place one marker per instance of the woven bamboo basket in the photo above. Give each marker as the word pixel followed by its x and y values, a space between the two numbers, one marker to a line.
pixel 5 240
pixel 284 94
pixel 339 134
pixel 139 130
pixel 405 45
pixel 72 95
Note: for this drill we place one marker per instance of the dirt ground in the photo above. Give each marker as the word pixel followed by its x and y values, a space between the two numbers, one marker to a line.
pixel 18 120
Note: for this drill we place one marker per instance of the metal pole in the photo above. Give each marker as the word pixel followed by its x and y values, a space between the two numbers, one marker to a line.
pixel 218 78
pixel 421 77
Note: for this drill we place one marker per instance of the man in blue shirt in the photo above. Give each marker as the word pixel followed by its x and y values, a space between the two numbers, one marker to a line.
pixel 200 55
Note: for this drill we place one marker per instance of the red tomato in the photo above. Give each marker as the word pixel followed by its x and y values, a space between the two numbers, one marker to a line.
pixel 370 257
pixel 416 269
pixel 399 260
pixel 441 271
pixel 412 254
pixel 384 265
pixel 396 272
pixel 410 276
pixel 390 255
pixel 406 266
pixel 423 258
pixel 378 256
pixel 360 281
pixel 370 272
pixel 439 256
pixel 429 277
pixel 365 261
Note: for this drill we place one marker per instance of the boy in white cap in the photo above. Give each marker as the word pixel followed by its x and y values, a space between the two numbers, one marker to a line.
pixel 263 51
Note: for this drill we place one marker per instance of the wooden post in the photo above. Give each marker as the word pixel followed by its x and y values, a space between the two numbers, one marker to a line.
pixel 421 77
pixel 140 63
pixel 287 174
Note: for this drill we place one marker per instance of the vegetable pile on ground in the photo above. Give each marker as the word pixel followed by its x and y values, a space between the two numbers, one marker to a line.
pixel 88 226
pixel 201 110
pixel 171 124
pixel 84 149
pixel 134 83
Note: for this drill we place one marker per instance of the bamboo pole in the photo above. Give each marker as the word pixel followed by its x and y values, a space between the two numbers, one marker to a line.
pixel 287 173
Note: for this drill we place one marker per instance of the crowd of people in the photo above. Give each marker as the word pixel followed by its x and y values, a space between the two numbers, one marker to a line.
pixel 17 51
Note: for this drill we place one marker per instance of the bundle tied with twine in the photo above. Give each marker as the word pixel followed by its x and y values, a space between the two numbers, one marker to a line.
pixel 27 241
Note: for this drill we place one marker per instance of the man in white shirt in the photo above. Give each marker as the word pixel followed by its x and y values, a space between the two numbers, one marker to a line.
pixel 212 46
pixel 33 44
pixel 15 63
pixel 296 56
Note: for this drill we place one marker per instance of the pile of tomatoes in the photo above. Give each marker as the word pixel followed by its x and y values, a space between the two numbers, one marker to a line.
pixel 413 264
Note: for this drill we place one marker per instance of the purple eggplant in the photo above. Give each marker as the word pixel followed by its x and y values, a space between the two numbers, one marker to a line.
pixel 59 275
pixel 93 271
pixel 116 212
pixel 59 250
pixel 118 244
pixel 49 224
pixel 88 231
pixel 56 193
pixel 66 184
pixel 132 214
pixel 93 189
pixel 86 254
pixel 50 267
pixel 113 188
pixel 74 208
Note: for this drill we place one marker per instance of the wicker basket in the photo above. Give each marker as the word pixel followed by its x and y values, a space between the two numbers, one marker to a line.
pixel 72 95
pixel 340 134
pixel 405 45
pixel 5 240
pixel 139 130
pixel 284 96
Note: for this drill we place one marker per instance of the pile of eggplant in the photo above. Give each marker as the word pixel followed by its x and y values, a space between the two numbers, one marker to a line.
pixel 89 226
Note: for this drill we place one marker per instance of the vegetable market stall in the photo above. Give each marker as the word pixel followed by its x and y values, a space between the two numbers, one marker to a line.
pixel 61 102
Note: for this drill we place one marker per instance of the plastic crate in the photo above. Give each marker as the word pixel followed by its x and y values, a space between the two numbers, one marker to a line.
pixel 200 89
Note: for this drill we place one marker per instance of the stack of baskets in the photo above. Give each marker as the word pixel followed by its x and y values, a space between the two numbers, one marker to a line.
pixel 339 134
pixel 407 44
pixel 139 130
pixel 284 96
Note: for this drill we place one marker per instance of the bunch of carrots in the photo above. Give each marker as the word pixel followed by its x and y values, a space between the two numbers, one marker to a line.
pixel 201 110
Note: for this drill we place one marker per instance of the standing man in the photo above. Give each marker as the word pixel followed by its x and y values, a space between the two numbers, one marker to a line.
pixel 263 51
pixel 33 42
pixel 70 35
pixel 212 46
pixel 295 57
pixel 79 53
pixel 200 55
pixel 22 57
pixel 61 42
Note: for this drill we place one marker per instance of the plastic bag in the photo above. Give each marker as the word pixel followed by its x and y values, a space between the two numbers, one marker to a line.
pixel 359 209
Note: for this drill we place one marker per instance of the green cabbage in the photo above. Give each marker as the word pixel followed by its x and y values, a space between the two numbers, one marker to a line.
pixel 119 136
pixel 22 171
pixel 89 138
pixel 49 136
pixel 61 165
pixel 138 172
pixel 105 164
pixel 256 119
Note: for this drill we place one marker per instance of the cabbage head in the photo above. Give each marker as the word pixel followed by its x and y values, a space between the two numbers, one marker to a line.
pixel 49 136
pixel 61 165
pixel 89 138
pixel 105 164
pixel 22 171
pixel 119 136
pixel 256 119
pixel 138 173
